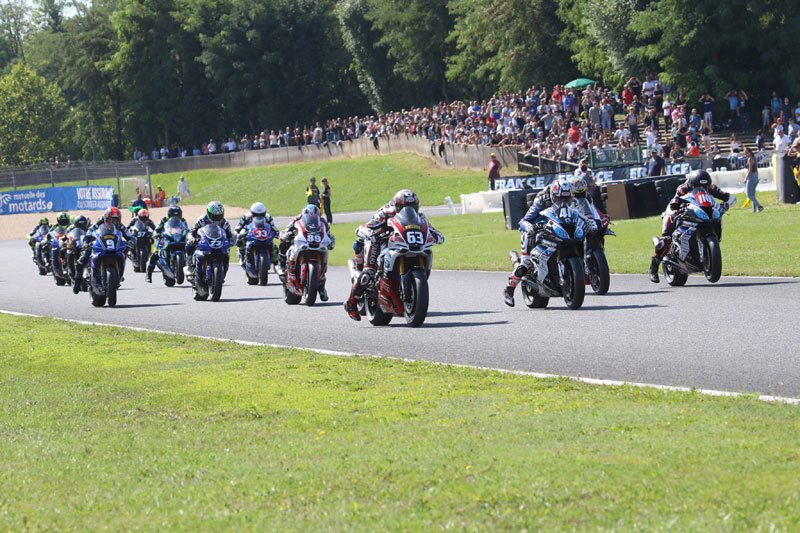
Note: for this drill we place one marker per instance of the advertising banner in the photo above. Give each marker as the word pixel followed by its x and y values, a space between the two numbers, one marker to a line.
pixel 55 199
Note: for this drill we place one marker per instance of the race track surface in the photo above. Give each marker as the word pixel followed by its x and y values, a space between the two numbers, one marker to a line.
pixel 740 334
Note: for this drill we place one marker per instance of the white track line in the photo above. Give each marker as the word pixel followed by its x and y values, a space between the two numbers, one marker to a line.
pixel 538 375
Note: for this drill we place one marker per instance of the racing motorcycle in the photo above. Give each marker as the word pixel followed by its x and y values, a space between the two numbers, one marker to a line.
pixel 400 287
pixel 307 261
pixel 595 263
pixel 140 245
pixel 72 244
pixel 171 250
pixel 258 250
pixel 40 258
pixel 560 234
pixel 211 262
pixel 695 241
pixel 57 253
pixel 106 265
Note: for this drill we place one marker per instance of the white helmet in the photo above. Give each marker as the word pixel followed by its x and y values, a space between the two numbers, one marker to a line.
pixel 258 209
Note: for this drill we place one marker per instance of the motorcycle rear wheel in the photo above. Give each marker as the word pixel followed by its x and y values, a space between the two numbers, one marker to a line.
pixel 415 309
pixel 532 298
pixel 712 259
pixel 312 284
pixel 217 277
pixel 674 277
pixel 574 290
pixel 111 283
pixel 600 278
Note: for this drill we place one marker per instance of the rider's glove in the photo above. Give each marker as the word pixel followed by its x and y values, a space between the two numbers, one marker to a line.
pixel 438 237
pixel 731 201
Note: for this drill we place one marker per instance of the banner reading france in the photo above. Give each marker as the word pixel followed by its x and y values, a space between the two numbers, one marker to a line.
pixel 55 199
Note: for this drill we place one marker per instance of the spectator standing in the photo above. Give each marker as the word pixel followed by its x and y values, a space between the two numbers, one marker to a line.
pixel 733 107
pixel 775 105
pixel 158 201
pixel 494 170
pixel 183 190
pixel 752 180
pixel 312 192
pixel 326 200
pixel 708 108
pixel 765 118
pixel 656 166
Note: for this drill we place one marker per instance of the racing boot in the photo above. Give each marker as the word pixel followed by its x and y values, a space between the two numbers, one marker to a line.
pixel 149 276
pixel 76 287
pixel 654 263
pixel 323 294
pixel 351 306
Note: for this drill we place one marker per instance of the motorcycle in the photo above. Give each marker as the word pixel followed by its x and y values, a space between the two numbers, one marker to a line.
pixel 595 263
pixel 211 262
pixel 307 261
pixel 57 253
pixel 40 258
pixel 140 245
pixel 106 265
pixel 72 244
pixel 560 236
pixel 171 250
pixel 258 251
pixel 695 241
pixel 400 287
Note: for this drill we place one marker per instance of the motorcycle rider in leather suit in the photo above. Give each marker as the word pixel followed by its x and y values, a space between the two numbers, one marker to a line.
pixel 698 178
pixel 257 210
pixel 287 239
pixel 173 211
pixel 215 214
pixel 374 233
pixel 110 216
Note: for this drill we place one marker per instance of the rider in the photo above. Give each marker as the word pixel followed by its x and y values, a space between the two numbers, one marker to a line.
pixel 698 178
pixel 174 211
pixel 559 193
pixel 111 217
pixel 287 238
pixel 215 214
pixel 375 232
pixel 43 223
pixel 257 210
pixel 143 216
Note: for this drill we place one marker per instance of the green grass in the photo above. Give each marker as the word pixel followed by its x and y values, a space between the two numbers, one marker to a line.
pixel 111 429
pixel 764 244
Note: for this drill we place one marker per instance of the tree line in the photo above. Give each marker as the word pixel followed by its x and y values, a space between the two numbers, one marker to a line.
pixel 95 79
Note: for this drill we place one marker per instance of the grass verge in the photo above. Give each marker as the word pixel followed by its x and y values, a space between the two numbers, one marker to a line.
pixel 104 428
pixel 763 244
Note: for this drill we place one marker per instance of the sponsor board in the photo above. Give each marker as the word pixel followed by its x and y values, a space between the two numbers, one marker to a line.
pixel 55 199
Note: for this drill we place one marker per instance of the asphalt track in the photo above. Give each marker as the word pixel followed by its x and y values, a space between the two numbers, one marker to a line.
pixel 738 335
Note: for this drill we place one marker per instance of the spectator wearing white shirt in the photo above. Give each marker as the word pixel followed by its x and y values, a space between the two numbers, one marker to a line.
pixel 782 142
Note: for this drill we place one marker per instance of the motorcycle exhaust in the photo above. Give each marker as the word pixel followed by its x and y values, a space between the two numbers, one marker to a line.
pixel 351 266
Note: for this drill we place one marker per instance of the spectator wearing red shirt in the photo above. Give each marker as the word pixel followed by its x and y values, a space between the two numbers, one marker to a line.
pixel 494 170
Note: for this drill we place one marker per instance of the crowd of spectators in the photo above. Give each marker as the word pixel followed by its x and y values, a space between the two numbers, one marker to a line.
pixel 558 123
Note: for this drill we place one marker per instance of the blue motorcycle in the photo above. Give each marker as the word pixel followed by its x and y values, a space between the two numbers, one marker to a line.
pixel 40 241
pixel 106 265
pixel 211 262
pixel 171 249
pixel 258 251
pixel 140 245
pixel 56 254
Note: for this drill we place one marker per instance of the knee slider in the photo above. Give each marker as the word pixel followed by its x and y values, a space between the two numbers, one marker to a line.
pixel 366 277
pixel 662 245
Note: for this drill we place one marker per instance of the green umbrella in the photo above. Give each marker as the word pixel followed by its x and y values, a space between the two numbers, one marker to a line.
pixel 580 83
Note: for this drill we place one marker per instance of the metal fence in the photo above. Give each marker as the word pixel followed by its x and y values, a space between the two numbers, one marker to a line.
pixel 615 157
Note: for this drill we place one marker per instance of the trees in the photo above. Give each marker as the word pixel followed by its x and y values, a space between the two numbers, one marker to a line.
pixel 32 114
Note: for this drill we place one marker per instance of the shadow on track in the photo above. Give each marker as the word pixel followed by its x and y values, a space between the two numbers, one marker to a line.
pixel 225 300
pixel 744 284
pixel 626 293
pixel 455 324
pixel 616 307
pixel 328 304
pixel 134 306
pixel 460 313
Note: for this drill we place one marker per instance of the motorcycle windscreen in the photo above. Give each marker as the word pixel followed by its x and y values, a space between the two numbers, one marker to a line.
pixel 212 232
pixel 259 222
pixel 408 217
pixel 106 229
pixel 311 222
pixel 174 226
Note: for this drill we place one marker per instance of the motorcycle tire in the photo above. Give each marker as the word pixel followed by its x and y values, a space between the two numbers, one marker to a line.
pixel 416 308
pixel 574 290
pixel 312 284
pixel 374 313
pixel 289 297
pixel 112 282
pixel 263 270
pixel 42 271
pixel 532 298
pixel 169 282
pixel 142 260
pixel 674 277
pixel 199 297
pixel 217 278
pixel 97 300
pixel 177 267
pixel 600 278
pixel 712 259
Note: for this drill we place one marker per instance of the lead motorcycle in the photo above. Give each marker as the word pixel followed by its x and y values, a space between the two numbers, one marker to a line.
pixel 140 245
pixel 258 251
pixel 106 265
pixel 400 287
pixel 560 235
pixel 57 254
pixel 171 251
pixel 595 263
pixel 211 262
pixel 307 261
pixel 695 242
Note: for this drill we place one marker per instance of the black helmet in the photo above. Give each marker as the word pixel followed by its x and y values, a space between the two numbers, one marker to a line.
pixel 82 222
pixel 63 219
pixel 174 211
pixel 699 178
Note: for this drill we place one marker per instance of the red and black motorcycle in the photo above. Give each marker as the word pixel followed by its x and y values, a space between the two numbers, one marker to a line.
pixel 400 287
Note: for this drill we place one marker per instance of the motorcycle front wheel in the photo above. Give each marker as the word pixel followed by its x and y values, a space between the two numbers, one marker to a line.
pixel 111 280
pixel 574 290
pixel 142 257
pixel 599 278
pixel 312 284
pixel 263 269
pixel 415 307
pixel 178 263
pixel 217 277
pixel 712 259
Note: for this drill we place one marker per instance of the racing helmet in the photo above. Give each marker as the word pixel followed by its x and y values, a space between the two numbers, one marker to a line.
pixel 216 211
pixel 579 187
pixel 699 178
pixel 310 209
pixel 112 216
pixel 143 215
pixel 63 219
pixel 258 210
pixel 561 193
pixel 174 211
pixel 44 221
pixel 405 198
pixel 82 222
